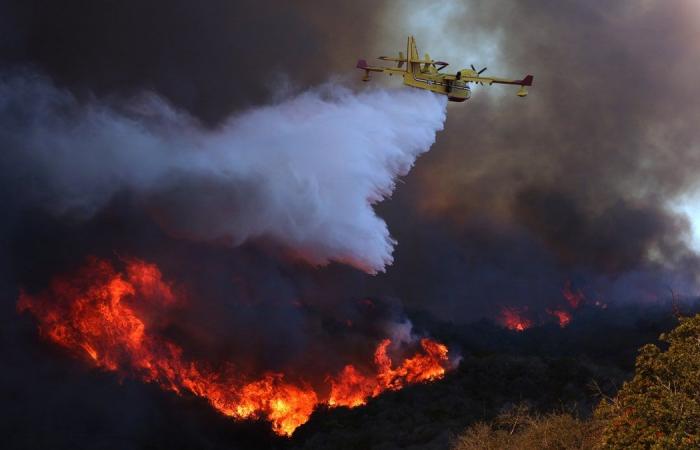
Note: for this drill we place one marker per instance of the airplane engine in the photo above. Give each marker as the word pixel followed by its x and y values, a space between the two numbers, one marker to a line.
pixel 458 91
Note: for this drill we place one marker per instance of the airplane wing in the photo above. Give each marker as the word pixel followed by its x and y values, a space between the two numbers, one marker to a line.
pixel 473 77
pixel 527 81
pixel 362 64
pixel 400 60
pixel 389 58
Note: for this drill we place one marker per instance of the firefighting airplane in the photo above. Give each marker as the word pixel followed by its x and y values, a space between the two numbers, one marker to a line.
pixel 425 74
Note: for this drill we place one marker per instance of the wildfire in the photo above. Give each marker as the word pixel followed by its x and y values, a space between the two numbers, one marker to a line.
pixel 351 388
pixel 98 315
pixel 514 319
pixel 564 317
pixel 575 299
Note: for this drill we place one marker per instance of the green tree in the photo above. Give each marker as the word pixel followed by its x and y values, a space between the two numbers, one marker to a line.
pixel 660 406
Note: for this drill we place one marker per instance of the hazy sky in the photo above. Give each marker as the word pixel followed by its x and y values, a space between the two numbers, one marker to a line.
pixel 589 178
pixel 591 181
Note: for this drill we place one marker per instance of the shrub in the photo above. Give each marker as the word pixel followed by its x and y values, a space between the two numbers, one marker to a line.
pixel 518 429
pixel 660 406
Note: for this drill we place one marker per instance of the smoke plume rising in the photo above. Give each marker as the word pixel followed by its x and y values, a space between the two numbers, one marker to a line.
pixel 578 182
pixel 516 199
pixel 303 173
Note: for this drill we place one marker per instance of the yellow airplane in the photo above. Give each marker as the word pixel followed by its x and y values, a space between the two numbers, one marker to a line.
pixel 425 74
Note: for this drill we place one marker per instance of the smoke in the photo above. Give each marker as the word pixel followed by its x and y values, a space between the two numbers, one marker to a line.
pixel 304 172
pixel 589 179
pixel 207 59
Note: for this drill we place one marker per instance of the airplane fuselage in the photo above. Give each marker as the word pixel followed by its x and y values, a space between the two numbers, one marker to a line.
pixel 455 90
pixel 426 74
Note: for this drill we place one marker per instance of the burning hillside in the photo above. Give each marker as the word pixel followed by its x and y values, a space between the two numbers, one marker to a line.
pixel 310 245
pixel 110 319
pixel 522 318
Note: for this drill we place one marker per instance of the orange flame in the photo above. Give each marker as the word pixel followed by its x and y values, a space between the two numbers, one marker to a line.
pixel 352 388
pixel 514 319
pixel 564 317
pixel 96 315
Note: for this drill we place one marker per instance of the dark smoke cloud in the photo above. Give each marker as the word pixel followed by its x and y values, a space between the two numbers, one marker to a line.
pixel 616 239
pixel 209 58
pixel 516 198
pixel 573 182
pixel 579 177
pixel 250 305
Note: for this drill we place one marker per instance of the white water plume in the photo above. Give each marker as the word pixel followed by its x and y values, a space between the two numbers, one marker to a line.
pixel 304 172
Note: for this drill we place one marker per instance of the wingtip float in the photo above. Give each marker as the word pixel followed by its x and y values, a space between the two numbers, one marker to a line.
pixel 426 74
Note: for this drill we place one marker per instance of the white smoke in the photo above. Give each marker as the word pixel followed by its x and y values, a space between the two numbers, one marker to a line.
pixel 304 173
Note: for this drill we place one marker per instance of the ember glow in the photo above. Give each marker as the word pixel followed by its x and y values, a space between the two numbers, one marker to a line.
pixel 563 317
pixel 514 319
pixel 104 317
pixel 575 299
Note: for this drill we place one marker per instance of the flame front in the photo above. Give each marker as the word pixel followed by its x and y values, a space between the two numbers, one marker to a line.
pixel 97 315
pixel 351 388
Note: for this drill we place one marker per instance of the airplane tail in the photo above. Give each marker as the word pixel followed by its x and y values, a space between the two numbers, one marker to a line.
pixel 412 50
pixel 412 54
pixel 524 83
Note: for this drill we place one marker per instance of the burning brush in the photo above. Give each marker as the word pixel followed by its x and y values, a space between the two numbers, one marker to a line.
pixel 105 317
pixel 519 319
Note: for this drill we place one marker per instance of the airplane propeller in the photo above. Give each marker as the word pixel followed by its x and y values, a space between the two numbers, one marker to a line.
pixel 478 72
